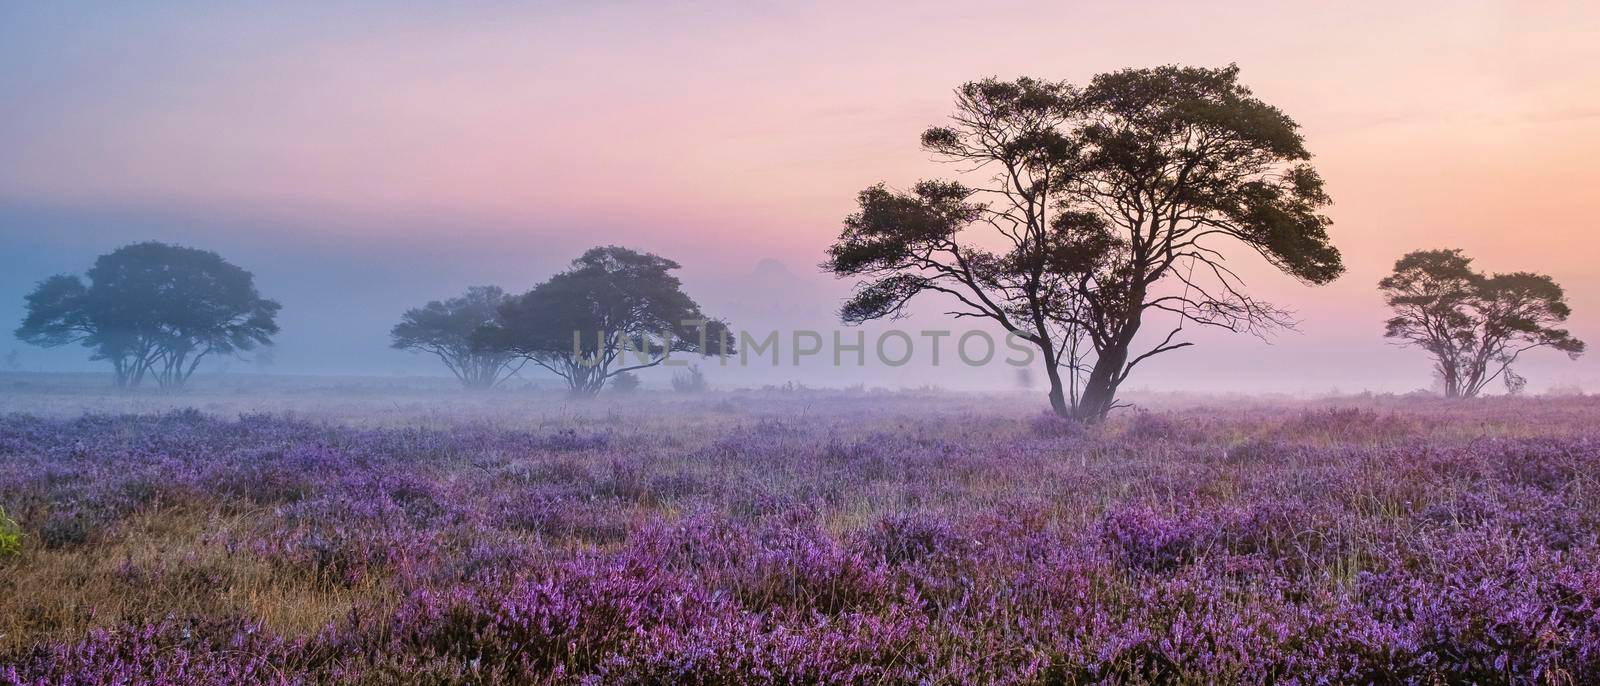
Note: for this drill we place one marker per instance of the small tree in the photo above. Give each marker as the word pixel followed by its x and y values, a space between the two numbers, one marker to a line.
pixel 614 311
pixel 445 329
pixel 1474 325
pixel 152 309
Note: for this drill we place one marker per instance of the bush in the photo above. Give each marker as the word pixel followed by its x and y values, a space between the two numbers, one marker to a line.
pixel 10 536
pixel 626 382
pixel 690 380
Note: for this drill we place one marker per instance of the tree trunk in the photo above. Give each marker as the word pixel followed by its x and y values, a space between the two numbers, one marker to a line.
pixel 1058 396
pixel 584 381
pixel 472 376
pixel 1052 371
pixel 1452 383
pixel 1100 390
pixel 141 368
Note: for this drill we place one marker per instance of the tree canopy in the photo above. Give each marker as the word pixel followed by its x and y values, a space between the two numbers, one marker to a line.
pixel 445 329
pixel 613 311
pixel 152 310
pixel 1108 202
pixel 1474 325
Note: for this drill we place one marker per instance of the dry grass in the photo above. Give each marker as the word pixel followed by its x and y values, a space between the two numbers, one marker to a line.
pixel 166 562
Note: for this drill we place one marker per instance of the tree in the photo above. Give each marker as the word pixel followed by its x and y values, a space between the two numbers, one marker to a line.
pixel 152 309
pixel 613 311
pixel 906 244
pixel 445 330
pixel 1106 202
pixel 1177 160
pixel 1474 325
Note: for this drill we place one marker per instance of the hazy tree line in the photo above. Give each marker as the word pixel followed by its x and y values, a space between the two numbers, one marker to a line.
pixel 155 311
pixel 1080 216
pixel 613 312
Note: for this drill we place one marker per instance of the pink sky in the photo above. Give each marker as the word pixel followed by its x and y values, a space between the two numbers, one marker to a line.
pixel 721 134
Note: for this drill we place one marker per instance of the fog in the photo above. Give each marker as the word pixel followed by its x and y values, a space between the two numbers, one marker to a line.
pixel 362 165
pixel 342 291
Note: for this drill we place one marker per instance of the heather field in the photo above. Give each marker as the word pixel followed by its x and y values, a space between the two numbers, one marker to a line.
pixel 794 537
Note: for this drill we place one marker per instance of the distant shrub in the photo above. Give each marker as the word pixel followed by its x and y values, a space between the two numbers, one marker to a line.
pixel 10 536
pixel 626 382
pixel 787 387
pixel 1566 390
pixel 690 380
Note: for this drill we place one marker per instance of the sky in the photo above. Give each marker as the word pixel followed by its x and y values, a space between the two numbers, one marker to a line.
pixel 365 158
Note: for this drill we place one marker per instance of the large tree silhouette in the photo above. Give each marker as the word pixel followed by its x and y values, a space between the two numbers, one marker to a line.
pixel 445 329
pixel 1474 325
pixel 614 311
pixel 909 243
pixel 153 310
pixel 1108 202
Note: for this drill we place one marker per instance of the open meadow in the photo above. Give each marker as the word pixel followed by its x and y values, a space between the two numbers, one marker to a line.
pixel 369 536
pixel 799 343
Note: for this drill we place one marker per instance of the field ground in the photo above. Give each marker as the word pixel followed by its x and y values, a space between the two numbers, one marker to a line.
pixel 374 534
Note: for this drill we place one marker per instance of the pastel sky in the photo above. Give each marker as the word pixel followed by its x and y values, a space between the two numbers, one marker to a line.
pixel 363 159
